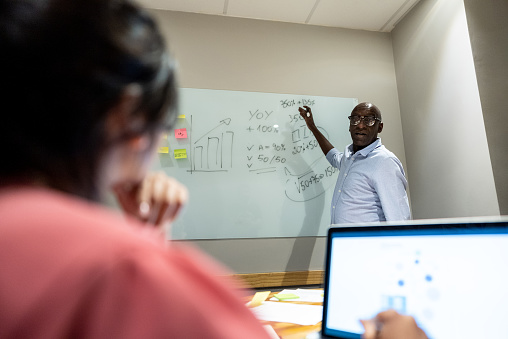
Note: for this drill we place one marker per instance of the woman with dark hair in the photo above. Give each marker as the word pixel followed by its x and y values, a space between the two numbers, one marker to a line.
pixel 87 91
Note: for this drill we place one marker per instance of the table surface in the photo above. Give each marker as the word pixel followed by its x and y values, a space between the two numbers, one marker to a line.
pixel 289 330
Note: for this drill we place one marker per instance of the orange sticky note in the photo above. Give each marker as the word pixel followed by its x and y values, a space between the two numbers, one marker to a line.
pixel 181 133
pixel 163 149
pixel 180 153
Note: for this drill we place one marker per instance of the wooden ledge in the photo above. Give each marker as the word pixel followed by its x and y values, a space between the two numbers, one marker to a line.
pixel 276 279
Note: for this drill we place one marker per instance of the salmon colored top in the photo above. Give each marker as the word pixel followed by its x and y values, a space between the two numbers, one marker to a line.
pixel 71 268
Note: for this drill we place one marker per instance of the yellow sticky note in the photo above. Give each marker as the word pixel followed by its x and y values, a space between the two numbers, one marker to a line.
pixel 286 296
pixel 163 149
pixel 258 298
pixel 181 153
pixel 181 116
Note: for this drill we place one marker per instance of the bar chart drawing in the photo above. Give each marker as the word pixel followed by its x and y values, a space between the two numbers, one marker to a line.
pixel 213 151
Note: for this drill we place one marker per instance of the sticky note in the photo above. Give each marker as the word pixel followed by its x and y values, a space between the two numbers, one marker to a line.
pixel 258 298
pixel 181 116
pixel 165 136
pixel 180 153
pixel 181 133
pixel 285 296
pixel 163 149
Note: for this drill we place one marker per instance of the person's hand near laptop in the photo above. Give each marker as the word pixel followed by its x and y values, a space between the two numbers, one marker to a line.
pixel 392 325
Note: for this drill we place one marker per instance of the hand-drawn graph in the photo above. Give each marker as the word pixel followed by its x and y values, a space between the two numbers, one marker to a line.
pixel 213 151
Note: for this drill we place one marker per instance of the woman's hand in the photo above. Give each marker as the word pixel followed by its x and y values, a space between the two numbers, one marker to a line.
pixel 158 199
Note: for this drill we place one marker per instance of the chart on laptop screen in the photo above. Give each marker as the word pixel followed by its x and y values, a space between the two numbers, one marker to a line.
pixel 454 285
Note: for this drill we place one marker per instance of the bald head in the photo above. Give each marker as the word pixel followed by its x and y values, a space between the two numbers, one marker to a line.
pixel 364 133
pixel 367 107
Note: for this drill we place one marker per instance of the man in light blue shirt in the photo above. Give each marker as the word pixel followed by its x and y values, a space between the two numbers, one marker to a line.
pixel 371 186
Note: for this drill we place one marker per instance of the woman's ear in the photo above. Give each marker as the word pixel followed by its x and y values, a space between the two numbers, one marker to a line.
pixel 120 117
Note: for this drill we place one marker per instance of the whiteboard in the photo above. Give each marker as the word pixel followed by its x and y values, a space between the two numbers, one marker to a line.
pixel 252 167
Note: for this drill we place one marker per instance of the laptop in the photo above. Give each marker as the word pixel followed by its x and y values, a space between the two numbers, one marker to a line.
pixel 451 275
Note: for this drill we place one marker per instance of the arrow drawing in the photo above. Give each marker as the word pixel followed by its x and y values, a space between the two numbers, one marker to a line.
pixel 226 121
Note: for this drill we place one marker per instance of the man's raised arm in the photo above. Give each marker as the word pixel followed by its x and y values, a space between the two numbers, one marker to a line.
pixel 306 114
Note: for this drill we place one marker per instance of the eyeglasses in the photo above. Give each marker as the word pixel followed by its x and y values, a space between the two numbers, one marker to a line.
pixel 368 120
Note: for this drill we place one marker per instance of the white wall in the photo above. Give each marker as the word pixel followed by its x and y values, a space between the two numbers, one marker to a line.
pixel 448 162
pixel 227 53
pixel 217 52
pixel 488 30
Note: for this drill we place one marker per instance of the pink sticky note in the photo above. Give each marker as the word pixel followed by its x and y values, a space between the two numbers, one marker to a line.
pixel 181 133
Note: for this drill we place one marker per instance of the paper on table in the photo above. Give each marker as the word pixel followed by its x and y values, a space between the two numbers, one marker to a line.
pixel 289 313
pixel 271 332
pixel 305 295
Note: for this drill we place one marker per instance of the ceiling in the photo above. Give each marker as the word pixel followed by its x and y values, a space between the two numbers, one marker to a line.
pixel 370 15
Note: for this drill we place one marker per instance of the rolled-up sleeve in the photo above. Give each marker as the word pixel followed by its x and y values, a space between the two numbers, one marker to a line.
pixel 334 156
pixel 390 184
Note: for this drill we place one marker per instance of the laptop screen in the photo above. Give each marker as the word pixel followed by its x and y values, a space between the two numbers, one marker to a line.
pixel 452 278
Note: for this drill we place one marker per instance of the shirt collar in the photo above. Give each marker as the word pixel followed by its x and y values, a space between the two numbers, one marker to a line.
pixel 364 151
